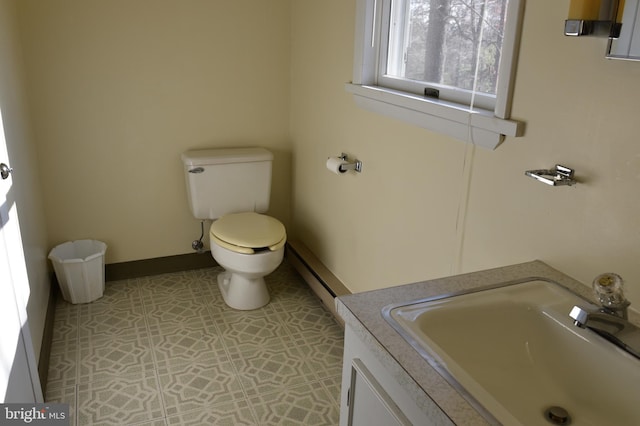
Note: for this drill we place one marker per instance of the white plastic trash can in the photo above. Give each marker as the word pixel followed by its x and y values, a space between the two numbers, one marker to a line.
pixel 79 267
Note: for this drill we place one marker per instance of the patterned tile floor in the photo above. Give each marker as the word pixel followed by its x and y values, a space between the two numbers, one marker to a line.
pixel 166 350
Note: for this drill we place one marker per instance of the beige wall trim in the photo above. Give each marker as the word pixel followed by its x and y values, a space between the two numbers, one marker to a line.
pixel 319 278
pixel 317 268
pixel 158 265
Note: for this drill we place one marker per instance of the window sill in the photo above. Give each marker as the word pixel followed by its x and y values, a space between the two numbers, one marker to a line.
pixel 476 126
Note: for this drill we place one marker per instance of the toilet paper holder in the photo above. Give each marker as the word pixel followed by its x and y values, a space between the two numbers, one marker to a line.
pixel 351 165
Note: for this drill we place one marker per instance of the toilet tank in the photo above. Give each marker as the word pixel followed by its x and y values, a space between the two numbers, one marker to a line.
pixel 227 180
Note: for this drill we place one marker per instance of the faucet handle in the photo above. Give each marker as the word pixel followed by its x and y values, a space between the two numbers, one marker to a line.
pixel 609 292
pixel 580 316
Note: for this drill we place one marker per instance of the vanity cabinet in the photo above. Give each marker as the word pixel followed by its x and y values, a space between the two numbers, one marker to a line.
pixel 368 402
pixel 371 395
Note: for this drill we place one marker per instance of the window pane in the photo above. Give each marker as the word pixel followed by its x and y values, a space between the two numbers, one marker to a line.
pixel 441 41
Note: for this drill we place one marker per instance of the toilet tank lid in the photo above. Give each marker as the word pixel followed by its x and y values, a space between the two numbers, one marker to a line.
pixel 204 157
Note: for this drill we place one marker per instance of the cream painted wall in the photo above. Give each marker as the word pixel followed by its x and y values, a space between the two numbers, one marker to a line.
pixel 581 110
pixel 26 190
pixel 394 222
pixel 417 212
pixel 120 89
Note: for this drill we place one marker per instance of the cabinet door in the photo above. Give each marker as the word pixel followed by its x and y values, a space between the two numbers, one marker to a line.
pixel 369 404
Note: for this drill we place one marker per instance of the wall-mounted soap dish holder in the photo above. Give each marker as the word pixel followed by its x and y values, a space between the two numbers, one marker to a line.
pixel 559 176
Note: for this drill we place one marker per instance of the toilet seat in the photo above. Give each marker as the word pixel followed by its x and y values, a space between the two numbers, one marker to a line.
pixel 247 232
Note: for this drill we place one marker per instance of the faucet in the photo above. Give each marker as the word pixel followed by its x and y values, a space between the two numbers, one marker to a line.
pixel 609 320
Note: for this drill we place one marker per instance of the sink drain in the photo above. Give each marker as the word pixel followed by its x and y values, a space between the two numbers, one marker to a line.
pixel 557 416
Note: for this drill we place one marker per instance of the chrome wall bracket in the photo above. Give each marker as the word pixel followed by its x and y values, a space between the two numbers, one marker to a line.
pixel 559 176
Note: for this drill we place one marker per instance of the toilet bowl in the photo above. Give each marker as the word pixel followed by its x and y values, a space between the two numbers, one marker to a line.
pixel 248 246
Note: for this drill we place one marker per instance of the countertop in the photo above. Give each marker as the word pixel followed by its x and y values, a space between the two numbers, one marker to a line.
pixel 431 392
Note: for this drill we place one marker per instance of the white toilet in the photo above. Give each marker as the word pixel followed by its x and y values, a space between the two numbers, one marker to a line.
pixel 232 187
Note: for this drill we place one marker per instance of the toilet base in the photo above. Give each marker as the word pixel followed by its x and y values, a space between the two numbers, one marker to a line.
pixel 242 293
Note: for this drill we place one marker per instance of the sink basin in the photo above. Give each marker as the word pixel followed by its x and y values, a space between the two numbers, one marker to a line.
pixel 513 352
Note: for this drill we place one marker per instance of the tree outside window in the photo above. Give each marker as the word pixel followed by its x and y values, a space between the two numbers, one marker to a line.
pixel 447 42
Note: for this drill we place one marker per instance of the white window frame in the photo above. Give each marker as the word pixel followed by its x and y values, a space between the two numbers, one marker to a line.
pixel 483 127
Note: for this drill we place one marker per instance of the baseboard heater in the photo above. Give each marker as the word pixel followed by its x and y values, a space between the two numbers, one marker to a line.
pixel 319 278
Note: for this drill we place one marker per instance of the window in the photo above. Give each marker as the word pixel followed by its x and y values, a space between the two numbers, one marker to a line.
pixel 446 65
